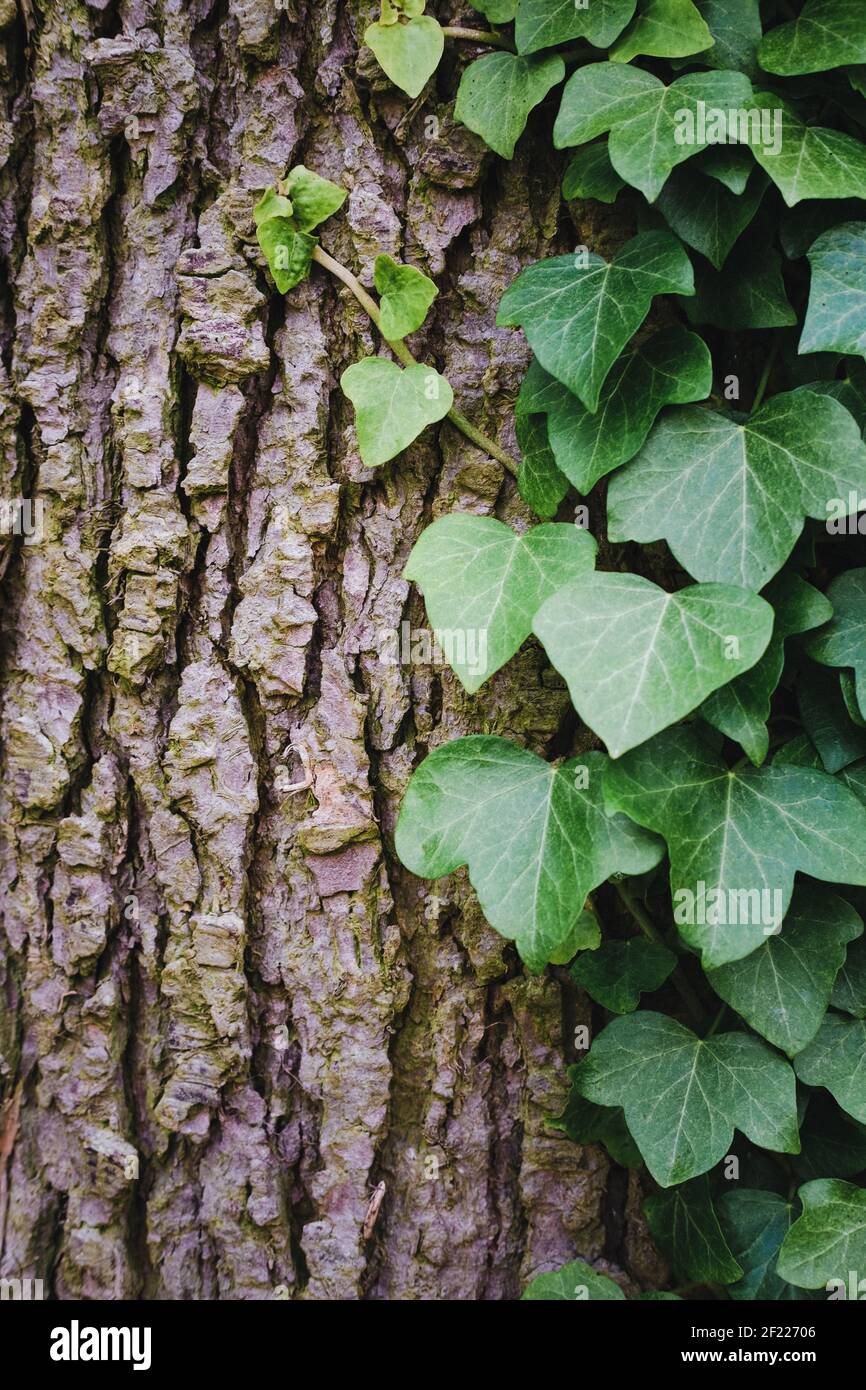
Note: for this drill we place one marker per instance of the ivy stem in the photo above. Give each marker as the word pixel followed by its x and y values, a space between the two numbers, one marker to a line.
pixel 681 984
pixel 401 352
pixel 478 36
pixel 765 374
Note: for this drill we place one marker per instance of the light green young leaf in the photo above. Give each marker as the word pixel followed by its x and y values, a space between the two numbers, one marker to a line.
pixel 829 1239
pixel 637 659
pixel 578 312
pixel 836 1060
pixel 573 1283
pixel 539 481
pixel 683 1096
pixel 497 93
pixel 808 161
pixel 743 833
pixel 620 971
pixel 586 1123
pixel 483 584
pixel 843 641
pixel 836 317
pixel 670 367
pixel 393 405
pixel 407 53
pixel 536 840
pixel 545 23
pixel 736 28
pixel 271 204
pixel 826 34
pixel 741 709
pixel 663 29
pixel 755 1224
pixel 405 296
pixel 730 498
pixel 783 989
pixel 684 1225
pixel 313 198
pixel 653 128
pixel 705 214
pixel 591 175
pixel 288 251
pixel 825 718
pixel 497 11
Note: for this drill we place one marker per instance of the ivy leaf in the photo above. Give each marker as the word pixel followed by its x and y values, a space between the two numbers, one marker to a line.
pixel 849 695
pixel 497 93
pixel 644 117
pixel 829 1239
pixel 736 28
pixel 836 317
pixel 663 29
pixel 407 53
pixel 683 1096
pixel 536 843
pixel 637 659
pixel 573 1283
pixel 833 1145
pixel 836 1059
pixel 731 165
pixel 842 642
pixel 483 583
pixel 672 366
pixel 802 225
pixel 705 214
pixel 577 317
pixel 591 175
pixel 585 936
pixel 540 482
pixel 826 34
pixel 684 1225
pixel 618 973
pixel 742 832
pixel 271 204
pixel 741 709
pixel 497 11
pixel 808 161
pixel 825 717
pixel 730 497
pixel 586 1123
pixel 755 1224
pixel 544 23
pixel 288 251
pixel 313 198
pixel 748 292
pixel 849 991
pixel 783 988
pixel 405 296
pixel 393 406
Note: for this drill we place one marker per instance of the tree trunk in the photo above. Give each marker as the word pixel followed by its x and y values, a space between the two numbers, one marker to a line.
pixel 244 1053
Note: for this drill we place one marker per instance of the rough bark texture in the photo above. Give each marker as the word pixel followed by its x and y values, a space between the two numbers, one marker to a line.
pixel 227 1014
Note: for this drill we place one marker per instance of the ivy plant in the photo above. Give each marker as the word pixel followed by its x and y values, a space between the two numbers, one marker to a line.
pixel 694 851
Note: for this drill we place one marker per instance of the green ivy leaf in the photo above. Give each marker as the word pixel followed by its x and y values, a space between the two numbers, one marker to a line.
pixel 288 252
pixel 684 1225
pixel 271 204
pixel 497 93
pixel 644 117
pixel 663 29
pixel 573 1283
pixel 578 316
pixel 544 23
pixel 731 165
pixel 843 641
pixel 736 28
pixel 536 843
pixel 705 214
pixel 748 292
pixel 585 936
pixel 729 497
pixel 810 161
pixel 741 708
pixel 637 659
pixel 586 1123
pixel 783 988
pixel 393 406
pixel 313 198
pixel 829 1239
pixel 683 1096
pixel 833 1145
pixel 755 1224
pixel 849 991
pixel 741 831
pixel 826 34
pixel 591 175
pixel 482 581
pixel 836 1060
pixel 497 11
pixel 405 296
pixel 849 694
pixel 618 973
pixel 671 367
pixel 822 709
pixel 836 317
pixel 407 53
pixel 540 482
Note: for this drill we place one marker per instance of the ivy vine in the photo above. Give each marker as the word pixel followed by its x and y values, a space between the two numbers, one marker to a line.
pixel 723 814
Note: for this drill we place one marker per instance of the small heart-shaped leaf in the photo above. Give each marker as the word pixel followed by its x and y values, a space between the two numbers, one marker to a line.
pixel 408 53
pixel 393 406
pixel 405 296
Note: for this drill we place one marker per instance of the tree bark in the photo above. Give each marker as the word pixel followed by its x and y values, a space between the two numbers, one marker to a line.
pixel 243 1053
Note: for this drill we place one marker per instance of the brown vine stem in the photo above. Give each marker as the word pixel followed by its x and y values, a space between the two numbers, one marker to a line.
pixel 478 36
pixel 402 353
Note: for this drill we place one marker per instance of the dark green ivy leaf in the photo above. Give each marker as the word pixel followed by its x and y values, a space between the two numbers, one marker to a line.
pixel 540 482
pixel 684 1225
pixel 826 34
pixel 755 1224
pixel 620 971
pixel 497 93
